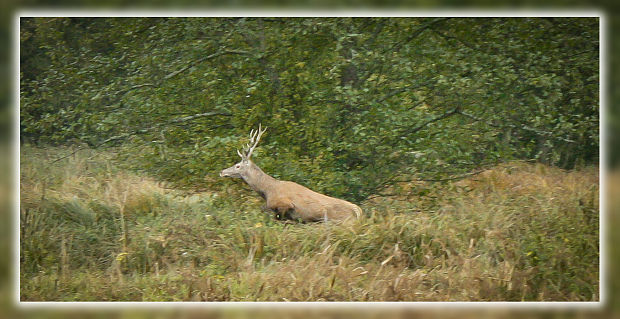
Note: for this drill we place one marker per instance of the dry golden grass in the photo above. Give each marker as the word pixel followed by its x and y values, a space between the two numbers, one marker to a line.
pixel 93 231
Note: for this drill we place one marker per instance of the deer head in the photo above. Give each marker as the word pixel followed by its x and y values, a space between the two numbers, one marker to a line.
pixel 241 169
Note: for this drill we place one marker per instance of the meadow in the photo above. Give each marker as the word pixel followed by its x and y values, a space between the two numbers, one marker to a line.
pixel 93 229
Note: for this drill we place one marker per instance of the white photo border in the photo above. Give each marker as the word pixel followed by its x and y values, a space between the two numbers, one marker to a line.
pixel 380 305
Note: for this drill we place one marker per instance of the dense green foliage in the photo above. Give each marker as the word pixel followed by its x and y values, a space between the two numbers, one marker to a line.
pixel 90 231
pixel 352 104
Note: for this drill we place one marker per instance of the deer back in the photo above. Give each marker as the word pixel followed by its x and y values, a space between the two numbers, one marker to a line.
pixel 305 204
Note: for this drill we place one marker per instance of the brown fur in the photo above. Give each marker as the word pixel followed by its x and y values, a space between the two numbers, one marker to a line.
pixel 289 200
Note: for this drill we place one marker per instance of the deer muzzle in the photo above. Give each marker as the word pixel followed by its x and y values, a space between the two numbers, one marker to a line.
pixel 227 173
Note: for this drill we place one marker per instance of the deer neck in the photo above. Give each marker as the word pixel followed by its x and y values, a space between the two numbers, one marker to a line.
pixel 259 180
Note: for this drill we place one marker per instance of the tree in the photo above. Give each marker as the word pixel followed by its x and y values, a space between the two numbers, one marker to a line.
pixel 352 104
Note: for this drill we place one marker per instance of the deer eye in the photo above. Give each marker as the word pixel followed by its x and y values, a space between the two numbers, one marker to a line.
pixel 237 166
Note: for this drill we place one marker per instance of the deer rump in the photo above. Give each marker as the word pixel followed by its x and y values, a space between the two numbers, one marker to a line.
pixel 296 202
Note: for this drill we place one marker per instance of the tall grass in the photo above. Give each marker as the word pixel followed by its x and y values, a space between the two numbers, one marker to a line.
pixel 93 231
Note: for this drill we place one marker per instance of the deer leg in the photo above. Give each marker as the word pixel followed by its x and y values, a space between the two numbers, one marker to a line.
pixel 278 212
pixel 285 213
pixel 278 215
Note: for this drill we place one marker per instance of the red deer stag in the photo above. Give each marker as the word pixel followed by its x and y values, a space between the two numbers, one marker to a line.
pixel 288 200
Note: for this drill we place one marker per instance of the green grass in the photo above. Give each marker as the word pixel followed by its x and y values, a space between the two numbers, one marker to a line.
pixel 93 231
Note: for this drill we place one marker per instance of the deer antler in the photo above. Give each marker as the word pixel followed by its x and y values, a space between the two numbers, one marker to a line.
pixel 254 138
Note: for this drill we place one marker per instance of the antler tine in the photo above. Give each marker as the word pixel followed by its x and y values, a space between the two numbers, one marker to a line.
pixel 261 132
pixel 248 147
pixel 254 139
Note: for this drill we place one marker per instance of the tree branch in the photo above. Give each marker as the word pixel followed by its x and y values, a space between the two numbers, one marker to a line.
pixel 405 89
pixel 452 178
pixel 433 120
pixel 449 37
pixel 145 130
pixel 123 92
pixel 113 138
pixel 523 127
pixel 208 57
pixel 384 182
pixel 398 45
pixel 120 94
pixel 378 28
pixel 195 116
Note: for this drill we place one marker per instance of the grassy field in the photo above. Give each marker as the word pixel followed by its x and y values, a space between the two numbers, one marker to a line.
pixel 91 230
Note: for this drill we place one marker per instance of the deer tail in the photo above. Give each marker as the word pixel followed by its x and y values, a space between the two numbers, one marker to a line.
pixel 358 211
